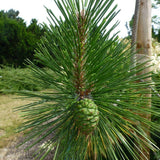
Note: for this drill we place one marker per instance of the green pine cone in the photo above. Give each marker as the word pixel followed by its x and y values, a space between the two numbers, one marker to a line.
pixel 86 116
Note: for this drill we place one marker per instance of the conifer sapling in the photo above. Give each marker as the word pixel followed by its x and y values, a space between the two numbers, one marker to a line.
pixel 89 112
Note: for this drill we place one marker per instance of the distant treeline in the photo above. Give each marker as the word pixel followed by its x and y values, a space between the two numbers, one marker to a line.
pixel 17 40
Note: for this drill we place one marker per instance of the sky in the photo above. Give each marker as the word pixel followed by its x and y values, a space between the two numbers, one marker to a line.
pixel 35 9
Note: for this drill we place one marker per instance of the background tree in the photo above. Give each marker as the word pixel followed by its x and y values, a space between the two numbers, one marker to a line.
pixel 17 41
pixel 12 14
pixel 12 41
pixel 143 46
pixel 35 28
pixel 155 23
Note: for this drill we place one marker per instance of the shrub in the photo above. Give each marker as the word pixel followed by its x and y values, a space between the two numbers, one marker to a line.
pixel 18 79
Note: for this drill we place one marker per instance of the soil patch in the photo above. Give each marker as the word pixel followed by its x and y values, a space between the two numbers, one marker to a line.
pixel 14 153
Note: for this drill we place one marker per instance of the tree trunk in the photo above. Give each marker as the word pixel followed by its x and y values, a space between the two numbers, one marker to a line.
pixel 144 50
pixel 135 24
pixel 134 32
pixel 144 34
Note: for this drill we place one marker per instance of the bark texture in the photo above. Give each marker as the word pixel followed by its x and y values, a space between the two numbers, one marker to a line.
pixel 143 39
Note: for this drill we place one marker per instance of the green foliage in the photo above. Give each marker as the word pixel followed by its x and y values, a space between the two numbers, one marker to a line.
pixel 17 41
pixel 156 21
pixel 155 3
pixel 18 79
pixel 89 67
pixel 11 14
pixel 156 155
pixel 156 34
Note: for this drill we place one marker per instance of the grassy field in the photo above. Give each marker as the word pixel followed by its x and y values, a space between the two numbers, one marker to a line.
pixel 9 120
pixel 13 79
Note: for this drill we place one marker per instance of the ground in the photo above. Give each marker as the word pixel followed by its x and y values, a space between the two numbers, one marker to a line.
pixel 9 121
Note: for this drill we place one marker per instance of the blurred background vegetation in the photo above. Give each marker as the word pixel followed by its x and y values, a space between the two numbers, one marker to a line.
pixel 17 40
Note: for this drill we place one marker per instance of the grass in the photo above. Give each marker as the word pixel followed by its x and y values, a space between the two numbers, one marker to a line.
pixel 9 120
pixel 13 79
pixel 18 79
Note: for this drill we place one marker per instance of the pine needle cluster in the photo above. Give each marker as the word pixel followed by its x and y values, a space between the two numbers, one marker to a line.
pixel 86 61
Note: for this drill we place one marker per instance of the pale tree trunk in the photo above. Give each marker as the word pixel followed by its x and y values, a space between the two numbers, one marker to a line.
pixel 143 39
pixel 144 34
pixel 134 32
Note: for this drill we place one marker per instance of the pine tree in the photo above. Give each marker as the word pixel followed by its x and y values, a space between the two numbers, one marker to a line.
pixel 90 112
